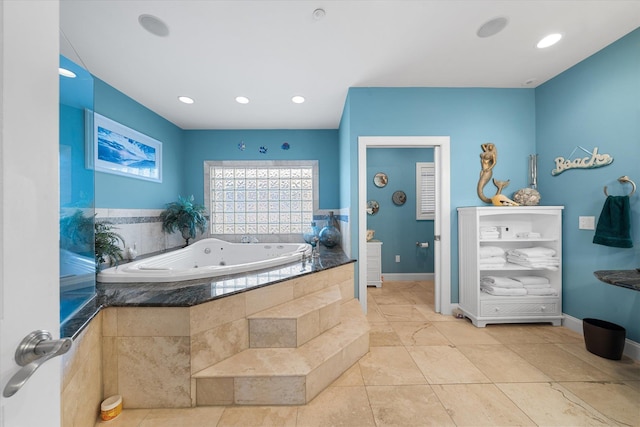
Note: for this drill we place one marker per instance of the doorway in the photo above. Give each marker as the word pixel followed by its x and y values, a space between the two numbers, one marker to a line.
pixel 442 222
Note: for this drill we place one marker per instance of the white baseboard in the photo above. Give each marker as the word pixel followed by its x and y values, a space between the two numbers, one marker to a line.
pixel 631 348
pixel 407 277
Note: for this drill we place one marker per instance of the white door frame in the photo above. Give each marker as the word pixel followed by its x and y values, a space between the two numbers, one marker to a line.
pixel 442 224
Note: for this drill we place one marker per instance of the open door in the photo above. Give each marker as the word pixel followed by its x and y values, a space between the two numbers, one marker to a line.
pixel 442 223
pixel 29 289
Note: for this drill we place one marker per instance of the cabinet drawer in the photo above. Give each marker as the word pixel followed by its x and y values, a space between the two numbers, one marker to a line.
pixel 490 308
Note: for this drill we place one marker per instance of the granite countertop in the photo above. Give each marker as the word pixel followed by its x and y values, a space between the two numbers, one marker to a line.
pixel 194 292
pixel 624 278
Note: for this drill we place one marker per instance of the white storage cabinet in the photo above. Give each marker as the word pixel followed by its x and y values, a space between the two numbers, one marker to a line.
pixel 483 308
pixel 374 263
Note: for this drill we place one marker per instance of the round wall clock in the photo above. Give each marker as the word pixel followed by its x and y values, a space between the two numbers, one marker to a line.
pixel 380 179
pixel 399 198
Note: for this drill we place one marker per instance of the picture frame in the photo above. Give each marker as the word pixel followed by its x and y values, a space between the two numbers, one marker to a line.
pixel 120 150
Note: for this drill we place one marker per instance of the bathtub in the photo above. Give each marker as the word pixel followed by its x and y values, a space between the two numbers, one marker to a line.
pixel 206 258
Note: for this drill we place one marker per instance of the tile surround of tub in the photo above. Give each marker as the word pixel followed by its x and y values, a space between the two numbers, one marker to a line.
pixel 143 228
pixel 150 353
pixel 81 387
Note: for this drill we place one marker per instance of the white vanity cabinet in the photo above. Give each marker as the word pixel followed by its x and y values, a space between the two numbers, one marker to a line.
pixel 517 227
pixel 374 263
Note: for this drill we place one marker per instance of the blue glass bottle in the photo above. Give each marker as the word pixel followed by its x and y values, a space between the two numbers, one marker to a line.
pixel 330 235
pixel 312 234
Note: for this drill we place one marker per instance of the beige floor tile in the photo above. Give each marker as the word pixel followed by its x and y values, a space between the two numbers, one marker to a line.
pixel 390 366
pixel 550 404
pixel 464 333
pixel 394 298
pixel 249 416
pixel 407 405
pixel 559 334
pixel 419 296
pixel 419 333
pixel 337 406
pixel 617 401
pixel 351 377
pixel 383 335
pixel 558 364
pixel 374 315
pixel 128 418
pixel 501 364
pixel 480 405
pixel 401 313
pixel 191 417
pixel 446 365
pixel 633 384
pixel 432 316
pixel 517 334
pixel 624 369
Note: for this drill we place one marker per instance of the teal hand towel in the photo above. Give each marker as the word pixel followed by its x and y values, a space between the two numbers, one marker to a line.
pixel 614 224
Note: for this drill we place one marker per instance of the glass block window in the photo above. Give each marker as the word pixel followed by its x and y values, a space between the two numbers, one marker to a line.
pixel 261 197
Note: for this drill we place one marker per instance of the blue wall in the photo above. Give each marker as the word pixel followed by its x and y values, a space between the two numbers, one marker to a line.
pixel 321 145
pixel 470 117
pixel 115 191
pixel 396 226
pixel 594 104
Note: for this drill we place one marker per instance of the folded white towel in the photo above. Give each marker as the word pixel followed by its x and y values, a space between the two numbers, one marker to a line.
pixel 488 228
pixel 494 290
pixel 531 280
pixel 536 251
pixel 543 292
pixel 545 265
pixel 491 251
pixel 548 285
pixel 493 261
pixel 498 281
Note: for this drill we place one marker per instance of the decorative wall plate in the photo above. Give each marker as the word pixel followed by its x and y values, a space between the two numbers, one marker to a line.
pixel 380 179
pixel 372 207
pixel 399 198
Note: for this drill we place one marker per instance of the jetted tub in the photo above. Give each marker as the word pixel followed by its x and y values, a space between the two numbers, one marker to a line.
pixel 206 258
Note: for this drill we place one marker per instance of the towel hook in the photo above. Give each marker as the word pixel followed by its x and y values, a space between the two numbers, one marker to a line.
pixel 622 180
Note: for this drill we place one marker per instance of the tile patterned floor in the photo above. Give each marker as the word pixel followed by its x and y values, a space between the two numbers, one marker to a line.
pixel 425 369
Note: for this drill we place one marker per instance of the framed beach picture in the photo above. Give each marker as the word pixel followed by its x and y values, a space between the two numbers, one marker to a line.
pixel 123 151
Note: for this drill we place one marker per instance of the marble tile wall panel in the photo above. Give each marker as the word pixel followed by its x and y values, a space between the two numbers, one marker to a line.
pixel 215 313
pixel 154 372
pixel 214 391
pixel 270 390
pixel 153 321
pixel 215 344
pixel 81 386
pixel 269 296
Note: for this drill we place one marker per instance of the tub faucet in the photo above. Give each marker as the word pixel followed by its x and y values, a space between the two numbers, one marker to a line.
pixel 248 239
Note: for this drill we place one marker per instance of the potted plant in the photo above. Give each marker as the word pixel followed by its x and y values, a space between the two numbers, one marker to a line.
pixel 184 216
pixel 106 244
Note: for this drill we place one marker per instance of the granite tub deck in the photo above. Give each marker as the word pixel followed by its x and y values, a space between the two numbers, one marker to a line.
pixel 275 337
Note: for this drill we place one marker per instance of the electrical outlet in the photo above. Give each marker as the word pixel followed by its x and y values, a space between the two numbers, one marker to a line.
pixel 586 222
pixel 397 258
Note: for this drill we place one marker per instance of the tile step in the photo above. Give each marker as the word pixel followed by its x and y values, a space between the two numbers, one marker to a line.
pixel 294 323
pixel 286 376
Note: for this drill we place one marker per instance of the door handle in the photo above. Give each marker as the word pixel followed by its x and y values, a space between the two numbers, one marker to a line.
pixel 35 349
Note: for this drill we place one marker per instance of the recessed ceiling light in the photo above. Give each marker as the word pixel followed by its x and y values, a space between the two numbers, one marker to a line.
pixel 297 99
pixel 154 25
pixel 66 73
pixel 492 27
pixel 529 82
pixel 549 40
pixel 186 99
pixel 318 14
pixel 242 100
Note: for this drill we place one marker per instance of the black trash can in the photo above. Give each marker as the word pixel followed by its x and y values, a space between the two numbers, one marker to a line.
pixel 604 338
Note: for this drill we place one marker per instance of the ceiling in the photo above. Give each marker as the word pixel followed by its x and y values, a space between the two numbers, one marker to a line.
pixel 270 51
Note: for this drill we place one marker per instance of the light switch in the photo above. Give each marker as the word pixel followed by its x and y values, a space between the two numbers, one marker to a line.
pixel 587 222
